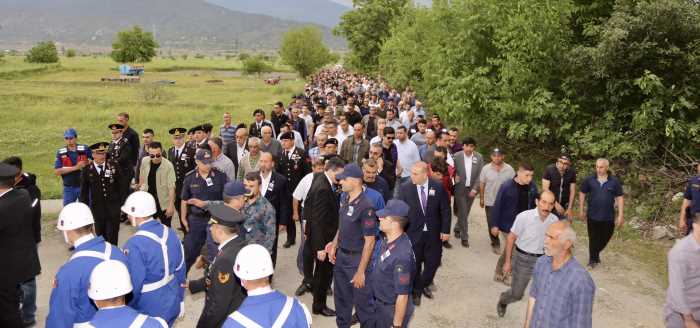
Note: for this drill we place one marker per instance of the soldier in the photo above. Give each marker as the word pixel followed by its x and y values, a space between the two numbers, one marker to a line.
pixel 224 293
pixel 182 158
pixel 99 189
pixel 294 166
pixel 69 161
pixel 119 155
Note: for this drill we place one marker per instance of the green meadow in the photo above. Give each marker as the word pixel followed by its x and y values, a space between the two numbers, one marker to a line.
pixel 38 102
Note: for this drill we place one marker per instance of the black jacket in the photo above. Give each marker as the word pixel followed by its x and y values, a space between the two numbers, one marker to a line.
pixel 100 191
pixel 224 293
pixel 120 154
pixel 232 153
pixel 437 217
pixel 183 164
pixel 281 199
pixel 134 145
pixel 293 169
pixel 17 244
pixel 28 182
pixel 255 132
pixel 321 212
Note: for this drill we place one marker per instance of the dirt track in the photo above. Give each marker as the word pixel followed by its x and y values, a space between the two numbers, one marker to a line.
pixel 466 294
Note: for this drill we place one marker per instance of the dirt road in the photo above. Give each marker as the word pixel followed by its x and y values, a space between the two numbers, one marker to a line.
pixel 466 294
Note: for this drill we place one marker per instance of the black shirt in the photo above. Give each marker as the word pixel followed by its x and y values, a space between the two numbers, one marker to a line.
pixel 152 189
pixel 559 183
pixel 523 197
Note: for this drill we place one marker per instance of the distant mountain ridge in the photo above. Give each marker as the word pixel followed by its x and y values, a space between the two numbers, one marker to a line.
pixel 323 12
pixel 176 23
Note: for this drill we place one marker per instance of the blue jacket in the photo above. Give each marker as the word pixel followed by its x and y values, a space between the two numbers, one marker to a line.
pixel 69 302
pixel 505 208
pixel 264 310
pixel 124 316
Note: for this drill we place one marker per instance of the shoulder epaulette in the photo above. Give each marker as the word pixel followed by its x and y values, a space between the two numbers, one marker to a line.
pixel 63 150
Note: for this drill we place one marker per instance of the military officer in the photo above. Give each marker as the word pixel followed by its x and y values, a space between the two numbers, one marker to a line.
pixel 264 307
pixel 294 165
pixel 100 190
pixel 182 157
pixel 352 248
pixel 120 155
pixel 224 292
pixel 156 261
pixel 394 270
pixel 69 304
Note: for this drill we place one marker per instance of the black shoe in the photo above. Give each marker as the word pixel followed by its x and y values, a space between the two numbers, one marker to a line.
pixel 446 244
pixel 416 299
pixel 428 293
pixel 355 320
pixel 28 323
pixel 288 244
pixel 326 312
pixel 501 309
pixel 456 233
pixel 465 243
pixel 303 288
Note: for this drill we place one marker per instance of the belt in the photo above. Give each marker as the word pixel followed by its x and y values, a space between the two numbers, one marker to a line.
pixel 526 253
pixel 347 251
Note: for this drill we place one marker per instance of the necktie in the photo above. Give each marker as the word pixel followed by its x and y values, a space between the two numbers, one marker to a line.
pixel 100 169
pixel 177 154
pixel 423 199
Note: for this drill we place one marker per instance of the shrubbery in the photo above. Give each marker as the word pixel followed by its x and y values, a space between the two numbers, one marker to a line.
pixel 43 52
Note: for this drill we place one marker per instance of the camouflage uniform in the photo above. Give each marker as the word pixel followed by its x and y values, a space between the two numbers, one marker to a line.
pixel 260 223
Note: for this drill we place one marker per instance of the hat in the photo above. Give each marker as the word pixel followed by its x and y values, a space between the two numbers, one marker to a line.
pixel 115 126
pixel 7 170
pixel 497 151
pixel 331 141
pixel 197 128
pixel 204 156
pixel 224 215
pixel 350 171
pixel 253 262
pixel 109 279
pixel 394 207
pixel 70 133
pixel 177 132
pixel 287 135
pixel 207 127
pixel 99 147
pixel 234 188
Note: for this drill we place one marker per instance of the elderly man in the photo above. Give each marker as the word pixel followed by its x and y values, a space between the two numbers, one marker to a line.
pixel 316 152
pixel 682 307
pixel 268 144
pixel 562 290
pixel 249 161
pixel 236 151
pixel 604 194
pixel 527 237
pixel 221 162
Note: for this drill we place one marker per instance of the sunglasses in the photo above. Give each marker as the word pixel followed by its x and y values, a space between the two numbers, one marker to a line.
pixel 390 137
pixel 155 155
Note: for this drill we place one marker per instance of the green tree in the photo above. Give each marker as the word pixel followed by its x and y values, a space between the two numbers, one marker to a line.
pixel 255 65
pixel 134 45
pixel 366 27
pixel 43 52
pixel 70 53
pixel 303 49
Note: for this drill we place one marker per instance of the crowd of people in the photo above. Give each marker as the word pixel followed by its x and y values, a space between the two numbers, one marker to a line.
pixel 369 177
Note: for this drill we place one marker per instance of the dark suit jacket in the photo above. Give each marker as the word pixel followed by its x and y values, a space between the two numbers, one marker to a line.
pixel 321 212
pixel 437 216
pixel 17 245
pixel 281 199
pixel 120 155
pixel 224 291
pixel 232 153
pixel 293 169
pixel 255 132
pixel 28 182
pixel 99 191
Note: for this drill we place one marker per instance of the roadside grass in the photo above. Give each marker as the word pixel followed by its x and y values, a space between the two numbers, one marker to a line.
pixel 38 102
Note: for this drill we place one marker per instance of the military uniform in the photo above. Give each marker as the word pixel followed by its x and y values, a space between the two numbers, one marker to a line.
pixel 393 275
pixel 260 227
pixel 69 303
pixel 71 181
pixel 264 310
pixel 99 189
pixel 125 316
pixel 294 166
pixel 183 162
pixel 120 154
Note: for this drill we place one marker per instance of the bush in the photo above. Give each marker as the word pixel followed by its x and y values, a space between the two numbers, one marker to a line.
pixel 43 52
pixel 134 45
pixel 243 56
pixel 256 65
pixel 70 53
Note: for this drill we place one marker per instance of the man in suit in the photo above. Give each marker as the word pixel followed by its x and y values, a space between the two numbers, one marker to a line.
pixel 17 246
pixel 224 293
pixel 182 158
pixel 257 125
pixel 99 189
pixel 293 164
pixel 274 189
pixel 236 150
pixel 120 156
pixel 428 225
pixel 468 164
pixel 322 217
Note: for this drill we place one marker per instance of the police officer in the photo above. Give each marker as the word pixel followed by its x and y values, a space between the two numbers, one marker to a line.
pixel 204 183
pixel 100 190
pixel 691 204
pixel 156 261
pixel 224 293
pixel 354 243
pixel 182 157
pixel 264 307
pixel 69 303
pixel 109 284
pixel 69 161
pixel 394 269
pixel 119 154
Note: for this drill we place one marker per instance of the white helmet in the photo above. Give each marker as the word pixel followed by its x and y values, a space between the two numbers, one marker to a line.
pixel 74 216
pixel 109 279
pixel 140 204
pixel 253 262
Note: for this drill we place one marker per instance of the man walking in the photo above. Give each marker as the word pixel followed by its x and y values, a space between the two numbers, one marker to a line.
pixel 468 164
pixel 682 307
pixel 492 176
pixel 100 190
pixel 560 178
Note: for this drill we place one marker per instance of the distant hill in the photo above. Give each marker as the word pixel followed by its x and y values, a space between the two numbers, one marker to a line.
pixel 323 12
pixel 177 23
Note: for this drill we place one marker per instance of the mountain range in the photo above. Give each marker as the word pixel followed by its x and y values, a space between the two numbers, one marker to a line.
pixel 322 12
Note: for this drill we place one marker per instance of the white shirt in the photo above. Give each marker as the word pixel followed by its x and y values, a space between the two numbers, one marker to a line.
pixel 530 229
pixel 83 240
pixel 303 187
pixel 240 152
pixel 97 167
pixel 468 169
pixel 265 183
pixel 260 291
pixel 427 194
pixel 221 246
pixel 298 140
pixel 408 155
pixel 178 151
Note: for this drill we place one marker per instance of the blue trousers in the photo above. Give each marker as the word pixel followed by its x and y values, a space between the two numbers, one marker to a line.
pixel 194 240
pixel 28 300
pixel 384 315
pixel 345 295
pixel 70 194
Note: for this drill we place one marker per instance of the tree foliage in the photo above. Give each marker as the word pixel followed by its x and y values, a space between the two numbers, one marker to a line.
pixel 255 65
pixel 618 81
pixel 44 52
pixel 134 45
pixel 304 50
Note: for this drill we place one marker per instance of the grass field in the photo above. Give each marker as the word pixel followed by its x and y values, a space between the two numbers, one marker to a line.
pixel 38 102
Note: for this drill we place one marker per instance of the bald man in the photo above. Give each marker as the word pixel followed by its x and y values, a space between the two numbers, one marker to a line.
pixel 429 220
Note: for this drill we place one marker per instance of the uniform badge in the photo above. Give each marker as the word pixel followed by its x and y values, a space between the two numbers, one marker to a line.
pixel 350 210
pixel 209 182
pixel 474 160
pixel 224 277
pixel 207 283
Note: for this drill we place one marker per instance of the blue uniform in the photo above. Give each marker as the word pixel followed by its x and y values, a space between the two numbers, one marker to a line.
pixel 71 181
pixel 393 275
pixel 692 194
pixel 357 221
pixel 125 316
pixel 211 188
pixel 267 309
pixel 156 262
pixel 69 302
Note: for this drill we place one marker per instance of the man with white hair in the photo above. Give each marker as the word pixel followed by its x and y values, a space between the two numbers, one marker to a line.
pixel 109 284
pixel 562 291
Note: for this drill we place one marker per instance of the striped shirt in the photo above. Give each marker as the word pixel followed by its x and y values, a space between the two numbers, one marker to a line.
pixel 227 133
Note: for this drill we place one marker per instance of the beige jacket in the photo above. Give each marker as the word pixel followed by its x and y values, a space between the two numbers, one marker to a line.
pixel 165 180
